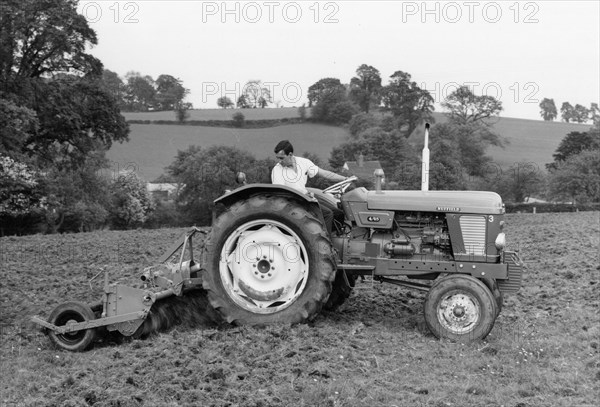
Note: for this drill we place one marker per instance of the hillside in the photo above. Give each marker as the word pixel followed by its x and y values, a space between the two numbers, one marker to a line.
pixel 152 147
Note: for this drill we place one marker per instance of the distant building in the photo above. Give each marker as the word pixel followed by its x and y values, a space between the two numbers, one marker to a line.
pixel 164 191
pixel 362 169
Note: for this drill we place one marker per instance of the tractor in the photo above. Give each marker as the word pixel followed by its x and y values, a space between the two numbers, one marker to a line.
pixel 269 258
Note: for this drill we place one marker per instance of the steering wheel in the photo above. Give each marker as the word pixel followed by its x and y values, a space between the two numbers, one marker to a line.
pixel 340 187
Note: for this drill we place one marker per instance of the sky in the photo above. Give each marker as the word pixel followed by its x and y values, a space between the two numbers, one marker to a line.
pixel 516 51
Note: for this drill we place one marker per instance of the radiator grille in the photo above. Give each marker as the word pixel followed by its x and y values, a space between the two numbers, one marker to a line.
pixel 473 232
pixel 515 273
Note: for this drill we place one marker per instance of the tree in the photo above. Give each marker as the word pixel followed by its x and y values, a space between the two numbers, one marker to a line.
pixel 409 104
pixel 242 102
pixel 169 92
pixel 519 181
pixel 140 95
pixel 238 119
pixel 548 109
pixel 18 188
pixel 17 124
pixel 390 148
pixel 331 104
pixel 58 114
pixel 256 95
pixel 595 114
pixel 580 114
pixel 326 88
pixel 131 203
pixel 77 200
pixel 224 102
pixel 361 122
pixel 77 116
pixel 574 143
pixel 469 144
pixel 365 87
pixel 567 111
pixel 113 85
pixel 182 111
pixel 206 174
pixel 577 178
pixel 42 37
pixel 464 107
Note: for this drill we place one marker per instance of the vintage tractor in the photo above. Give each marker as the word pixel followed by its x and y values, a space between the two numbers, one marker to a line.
pixel 269 258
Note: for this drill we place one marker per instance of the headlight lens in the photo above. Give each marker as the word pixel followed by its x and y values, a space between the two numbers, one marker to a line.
pixel 500 241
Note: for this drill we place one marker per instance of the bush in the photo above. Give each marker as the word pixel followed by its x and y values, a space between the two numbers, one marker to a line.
pixel 550 207
pixel 238 120
pixel 342 112
pixel 130 202
pixel 361 122
pixel 166 214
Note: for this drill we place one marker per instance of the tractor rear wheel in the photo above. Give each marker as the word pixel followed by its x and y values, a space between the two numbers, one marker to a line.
pixel 460 308
pixel 268 259
pixel 341 290
pixel 68 313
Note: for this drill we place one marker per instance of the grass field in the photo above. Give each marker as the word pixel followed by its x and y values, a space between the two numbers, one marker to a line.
pixel 153 147
pixel 374 351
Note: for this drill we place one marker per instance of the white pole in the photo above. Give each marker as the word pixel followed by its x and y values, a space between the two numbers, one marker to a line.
pixel 425 162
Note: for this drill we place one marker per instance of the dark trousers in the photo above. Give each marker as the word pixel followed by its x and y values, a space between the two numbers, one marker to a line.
pixel 329 211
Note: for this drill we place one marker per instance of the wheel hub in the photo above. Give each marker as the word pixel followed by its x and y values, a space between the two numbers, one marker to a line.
pixel 264 267
pixel 459 312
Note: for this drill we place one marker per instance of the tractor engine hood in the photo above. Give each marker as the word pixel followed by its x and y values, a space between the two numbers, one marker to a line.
pixel 436 201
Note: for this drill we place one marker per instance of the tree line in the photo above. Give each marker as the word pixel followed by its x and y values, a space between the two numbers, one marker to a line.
pixel 141 93
pixel 569 113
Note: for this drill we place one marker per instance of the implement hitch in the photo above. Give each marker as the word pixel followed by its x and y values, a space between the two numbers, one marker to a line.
pixel 73 325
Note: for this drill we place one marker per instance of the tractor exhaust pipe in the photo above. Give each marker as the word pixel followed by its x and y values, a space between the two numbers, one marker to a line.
pixel 425 162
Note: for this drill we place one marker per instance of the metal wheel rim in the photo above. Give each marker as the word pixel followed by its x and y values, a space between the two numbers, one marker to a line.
pixel 66 318
pixel 459 313
pixel 264 266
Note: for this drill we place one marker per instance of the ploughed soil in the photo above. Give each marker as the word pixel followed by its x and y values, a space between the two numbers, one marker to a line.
pixel 375 350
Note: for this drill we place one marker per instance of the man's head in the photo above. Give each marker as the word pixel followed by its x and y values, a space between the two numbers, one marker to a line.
pixel 284 152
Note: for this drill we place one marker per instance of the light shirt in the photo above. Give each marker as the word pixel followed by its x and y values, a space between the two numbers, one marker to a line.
pixel 296 179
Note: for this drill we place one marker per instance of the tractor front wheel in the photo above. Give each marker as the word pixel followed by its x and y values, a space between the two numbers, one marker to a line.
pixel 69 313
pixel 268 260
pixel 460 308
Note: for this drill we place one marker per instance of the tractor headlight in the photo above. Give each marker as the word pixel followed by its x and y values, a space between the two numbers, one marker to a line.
pixel 500 241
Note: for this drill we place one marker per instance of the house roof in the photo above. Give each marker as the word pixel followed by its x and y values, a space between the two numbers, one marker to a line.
pixel 152 187
pixel 364 171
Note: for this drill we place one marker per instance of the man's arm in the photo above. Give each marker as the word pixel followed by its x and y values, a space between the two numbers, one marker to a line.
pixel 330 176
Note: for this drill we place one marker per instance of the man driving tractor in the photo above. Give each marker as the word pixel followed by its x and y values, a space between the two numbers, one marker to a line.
pixel 294 172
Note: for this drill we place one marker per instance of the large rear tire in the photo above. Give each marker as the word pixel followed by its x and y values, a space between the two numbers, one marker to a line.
pixel 267 260
pixel 341 290
pixel 460 308
pixel 68 313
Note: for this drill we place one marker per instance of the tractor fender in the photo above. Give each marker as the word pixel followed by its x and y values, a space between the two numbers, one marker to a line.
pixel 242 193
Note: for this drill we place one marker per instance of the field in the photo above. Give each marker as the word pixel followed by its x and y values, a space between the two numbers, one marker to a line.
pixel 152 147
pixel 374 351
